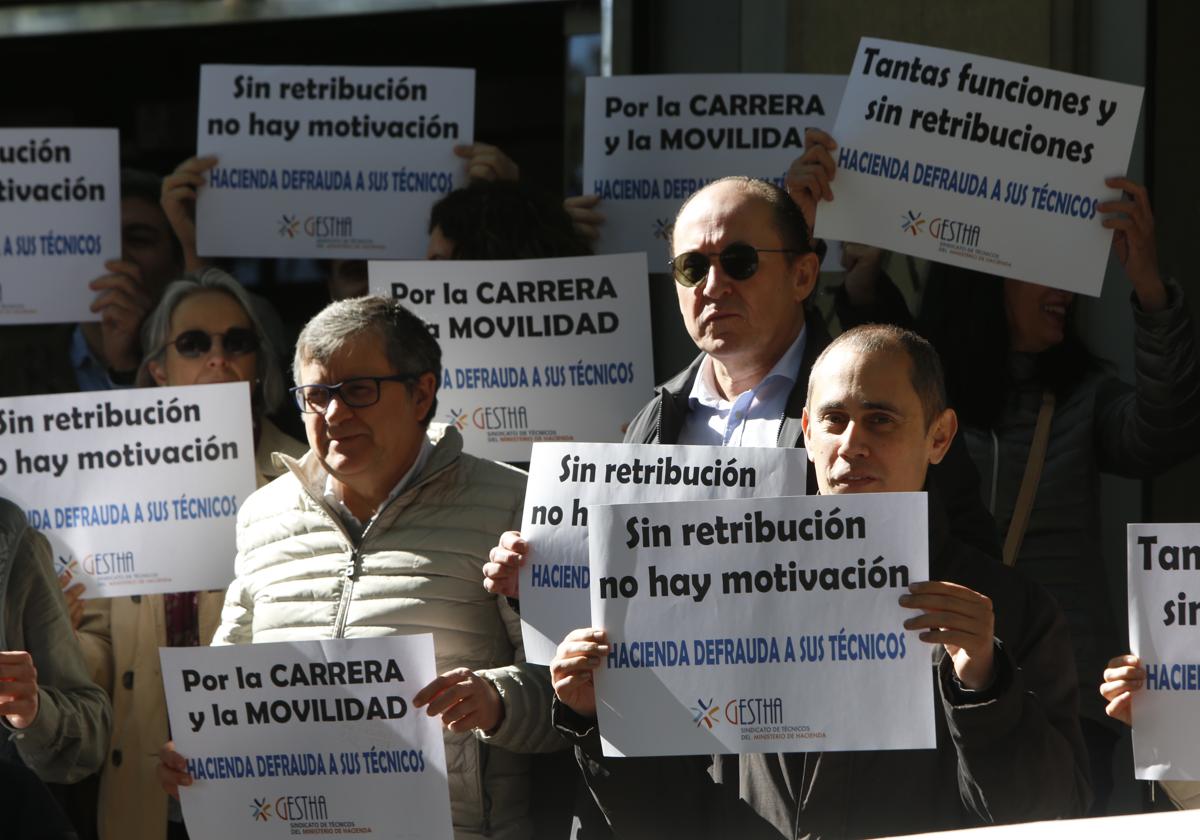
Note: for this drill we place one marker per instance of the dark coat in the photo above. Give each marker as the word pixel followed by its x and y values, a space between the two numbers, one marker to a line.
pixel 956 479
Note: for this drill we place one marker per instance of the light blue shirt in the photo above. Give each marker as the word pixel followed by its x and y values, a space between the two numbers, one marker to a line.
pixel 753 417
pixel 90 372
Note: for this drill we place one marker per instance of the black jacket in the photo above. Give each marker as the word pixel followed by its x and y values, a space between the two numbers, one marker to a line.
pixel 1011 753
pixel 955 479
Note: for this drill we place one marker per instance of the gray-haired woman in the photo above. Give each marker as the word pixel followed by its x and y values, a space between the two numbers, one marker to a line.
pixel 203 330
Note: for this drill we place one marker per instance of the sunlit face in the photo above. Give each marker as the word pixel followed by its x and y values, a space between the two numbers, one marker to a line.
pixel 440 247
pixel 864 426
pixel 750 321
pixel 1037 315
pixel 210 312
pixel 370 447
pixel 148 242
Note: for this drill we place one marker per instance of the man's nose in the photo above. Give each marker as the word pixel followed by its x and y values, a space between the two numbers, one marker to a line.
pixel 716 282
pixel 337 409
pixel 853 442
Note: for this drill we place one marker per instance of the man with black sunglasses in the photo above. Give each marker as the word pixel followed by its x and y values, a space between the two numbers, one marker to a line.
pixel 745 267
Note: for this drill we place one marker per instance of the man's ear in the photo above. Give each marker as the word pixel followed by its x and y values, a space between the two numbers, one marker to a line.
pixel 941 435
pixel 423 391
pixel 804 423
pixel 157 371
pixel 806 268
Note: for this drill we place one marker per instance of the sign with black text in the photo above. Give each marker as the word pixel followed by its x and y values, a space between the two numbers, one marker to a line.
pixel 650 141
pixel 137 490
pixel 762 625
pixel 60 220
pixel 532 350
pixel 1164 631
pixel 331 162
pixel 315 738
pixel 984 164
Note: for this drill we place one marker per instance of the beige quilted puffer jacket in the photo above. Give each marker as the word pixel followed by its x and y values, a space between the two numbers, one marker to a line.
pixel 416 569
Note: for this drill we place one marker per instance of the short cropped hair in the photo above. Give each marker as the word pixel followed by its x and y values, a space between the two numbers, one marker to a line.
pixel 924 370
pixel 410 347
pixel 156 330
pixel 789 219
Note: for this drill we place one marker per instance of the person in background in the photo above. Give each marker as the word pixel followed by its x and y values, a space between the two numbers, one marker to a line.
pixel 204 330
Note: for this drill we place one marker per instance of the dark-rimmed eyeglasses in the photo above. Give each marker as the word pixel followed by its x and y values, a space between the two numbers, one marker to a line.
pixel 359 392
pixel 235 341
pixel 738 260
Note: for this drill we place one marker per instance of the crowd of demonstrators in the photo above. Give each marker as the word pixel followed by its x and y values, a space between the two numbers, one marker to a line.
pixel 382 485
pixel 204 330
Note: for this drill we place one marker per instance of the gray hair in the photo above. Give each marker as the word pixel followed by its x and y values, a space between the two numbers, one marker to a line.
pixel 408 343
pixel 156 332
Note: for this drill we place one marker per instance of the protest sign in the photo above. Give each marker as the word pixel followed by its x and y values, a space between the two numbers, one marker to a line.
pixel 1164 630
pixel 532 350
pixel 650 141
pixel 762 625
pixel 980 163
pixel 333 162
pixel 137 490
pixel 60 220
pixel 564 478
pixel 308 738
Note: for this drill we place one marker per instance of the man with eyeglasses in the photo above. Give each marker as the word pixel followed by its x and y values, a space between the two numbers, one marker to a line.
pixel 380 529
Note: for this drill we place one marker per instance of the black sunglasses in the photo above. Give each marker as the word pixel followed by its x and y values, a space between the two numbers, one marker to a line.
pixel 738 260
pixel 235 341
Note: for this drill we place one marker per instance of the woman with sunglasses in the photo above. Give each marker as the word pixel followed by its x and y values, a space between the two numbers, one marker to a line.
pixel 203 331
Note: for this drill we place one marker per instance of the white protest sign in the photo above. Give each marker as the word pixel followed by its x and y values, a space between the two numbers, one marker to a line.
pixel 1164 630
pixel 765 625
pixel 334 162
pixel 60 220
pixel 564 478
pixel 308 738
pixel 532 350
pixel 137 490
pixel 980 163
pixel 650 141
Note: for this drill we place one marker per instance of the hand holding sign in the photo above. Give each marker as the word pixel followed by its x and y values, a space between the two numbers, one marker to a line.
pixel 962 620
pixel 503 570
pixel 1123 677
pixel 179 190
pixel 123 303
pixel 18 688
pixel 488 163
pixel 810 175
pixel 1133 240
pixel 574 663
pixel 172 770
pixel 464 700
pixel 586 219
